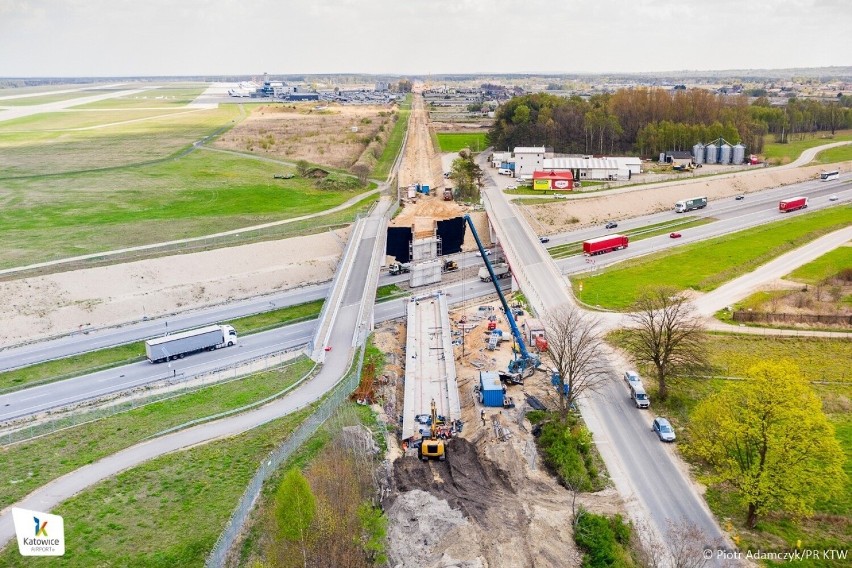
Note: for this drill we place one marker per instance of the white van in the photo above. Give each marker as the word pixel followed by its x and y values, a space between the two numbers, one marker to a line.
pixel 639 396
pixel 505 172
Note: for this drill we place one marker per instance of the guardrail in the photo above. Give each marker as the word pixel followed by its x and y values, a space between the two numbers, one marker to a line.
pixel 270 464
pixel 86 412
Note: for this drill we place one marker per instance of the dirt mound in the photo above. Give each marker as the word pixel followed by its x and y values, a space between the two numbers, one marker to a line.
pixel 466 480
pixel 430 207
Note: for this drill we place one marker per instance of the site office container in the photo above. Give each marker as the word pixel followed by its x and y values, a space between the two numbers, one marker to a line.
pixel 793 204
pixel 604 244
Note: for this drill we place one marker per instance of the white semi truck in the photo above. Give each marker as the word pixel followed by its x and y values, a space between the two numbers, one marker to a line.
pixel 501 270
pixel 177 345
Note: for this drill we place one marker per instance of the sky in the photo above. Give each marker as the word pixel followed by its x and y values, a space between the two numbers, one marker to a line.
pixel 119 38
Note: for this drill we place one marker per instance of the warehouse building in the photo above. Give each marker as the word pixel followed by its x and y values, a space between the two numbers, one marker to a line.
pixel 528 160
pixel 589 168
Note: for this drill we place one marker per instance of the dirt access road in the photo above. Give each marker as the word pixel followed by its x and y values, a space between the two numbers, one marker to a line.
pixel 421 162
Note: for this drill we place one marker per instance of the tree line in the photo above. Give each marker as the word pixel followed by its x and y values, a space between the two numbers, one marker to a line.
pixel 647 121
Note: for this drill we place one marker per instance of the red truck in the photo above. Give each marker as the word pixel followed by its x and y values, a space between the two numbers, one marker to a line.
pixel 793 204
pixel 601 245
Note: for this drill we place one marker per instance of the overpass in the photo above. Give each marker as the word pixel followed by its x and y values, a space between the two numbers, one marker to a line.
pixel 645 472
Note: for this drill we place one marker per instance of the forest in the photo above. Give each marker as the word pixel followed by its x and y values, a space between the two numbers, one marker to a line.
pixel 648 121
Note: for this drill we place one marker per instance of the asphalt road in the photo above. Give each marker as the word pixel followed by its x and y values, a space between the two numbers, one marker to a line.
pixel 61 393
pixel 647 475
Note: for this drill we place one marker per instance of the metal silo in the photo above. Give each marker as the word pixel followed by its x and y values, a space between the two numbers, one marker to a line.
pixel 710 153
pixel 725 153
pixel 739 154
pixel 698 153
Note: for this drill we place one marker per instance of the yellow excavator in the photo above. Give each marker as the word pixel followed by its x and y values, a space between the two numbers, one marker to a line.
pixel 431 446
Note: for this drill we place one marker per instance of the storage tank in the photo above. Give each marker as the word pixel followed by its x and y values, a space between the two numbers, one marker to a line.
pixel 662 157
pixel 698 153
pixel 725 153
pixel 739 154
pixel 710 153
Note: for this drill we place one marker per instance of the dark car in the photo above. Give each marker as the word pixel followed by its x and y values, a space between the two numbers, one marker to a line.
pixel 663 429
pixel 739 197
pixel 611 225
pixel 675 235
pixel 544 239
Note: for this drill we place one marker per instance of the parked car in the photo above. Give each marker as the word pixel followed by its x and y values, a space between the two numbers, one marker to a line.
pixel 663 429
pixel 487 253
pixel 511 187
pixel 560 196
pixel 675 235
pixel 833 197
pixel 544 239
pixel 632 377
pixel 740 197
pixel 611 225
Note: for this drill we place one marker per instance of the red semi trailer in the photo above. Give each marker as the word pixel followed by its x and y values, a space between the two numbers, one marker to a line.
pixel 793 204
pixel 601 245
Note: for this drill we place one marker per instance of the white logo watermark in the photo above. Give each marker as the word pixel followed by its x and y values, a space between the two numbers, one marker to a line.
pixel 39 534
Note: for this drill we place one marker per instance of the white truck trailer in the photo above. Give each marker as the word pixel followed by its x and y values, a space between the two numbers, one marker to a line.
pixel 501 270
pixel 177 345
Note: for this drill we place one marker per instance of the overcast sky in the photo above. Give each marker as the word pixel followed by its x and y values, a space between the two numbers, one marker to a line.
pixel 248 37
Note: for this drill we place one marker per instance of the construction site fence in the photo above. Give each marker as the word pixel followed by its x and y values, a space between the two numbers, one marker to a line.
pixel 170 387
pixel 270 464
pixel 828 319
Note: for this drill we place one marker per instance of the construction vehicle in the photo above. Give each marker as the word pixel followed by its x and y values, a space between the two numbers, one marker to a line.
pixel 399 268
pixel 450 266
pixel 431 446
pixel 498 270
pixel 524 362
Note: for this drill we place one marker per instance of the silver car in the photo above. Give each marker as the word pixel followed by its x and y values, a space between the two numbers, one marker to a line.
pixel 663 429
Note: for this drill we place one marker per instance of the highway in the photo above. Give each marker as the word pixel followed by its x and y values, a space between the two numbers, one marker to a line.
pixel 732 215
pixel 69 391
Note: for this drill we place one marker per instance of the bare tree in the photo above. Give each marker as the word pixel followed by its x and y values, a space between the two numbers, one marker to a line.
pixel 684 545
pixel 574 344
pixel 669 334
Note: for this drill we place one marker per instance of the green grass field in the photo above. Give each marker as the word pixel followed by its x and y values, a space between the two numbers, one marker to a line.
pixel 202 193
pixel 77 365
pixel 28 465
pixel 394 145
pixel 785 153
pixel 819 360
pixel 166 512
pixel 457 141
pixel 705 266
pixel 646 232
pixel 823 267
pixel 834 155
pixel 50 144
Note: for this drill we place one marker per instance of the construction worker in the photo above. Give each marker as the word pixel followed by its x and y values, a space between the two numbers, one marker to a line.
pixel 483 417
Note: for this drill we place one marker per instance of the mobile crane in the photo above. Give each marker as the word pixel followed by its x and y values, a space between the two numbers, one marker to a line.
pixel 524 363
pixel 431 446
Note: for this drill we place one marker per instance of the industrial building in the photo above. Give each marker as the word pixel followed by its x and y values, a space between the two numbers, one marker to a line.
pixel 528 159
pixel 589 168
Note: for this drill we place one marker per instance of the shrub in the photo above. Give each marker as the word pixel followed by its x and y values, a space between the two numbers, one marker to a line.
pixel 602 540
pixel 567 450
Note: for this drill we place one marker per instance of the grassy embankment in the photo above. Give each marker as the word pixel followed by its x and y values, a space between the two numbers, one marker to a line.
pixel 166 512
pixel 646 232
pixel 457 141
pixel 823 361
pixel 124 354
pixel 28 465
pixel 705 266
pixel 394 145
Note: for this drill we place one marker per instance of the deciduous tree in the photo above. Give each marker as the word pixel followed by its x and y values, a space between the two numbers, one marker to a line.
pixel 668 334
pixel 768 438
pixel 575 346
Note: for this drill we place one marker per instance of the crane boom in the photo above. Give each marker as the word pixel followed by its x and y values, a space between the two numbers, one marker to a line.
pixel 526 359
